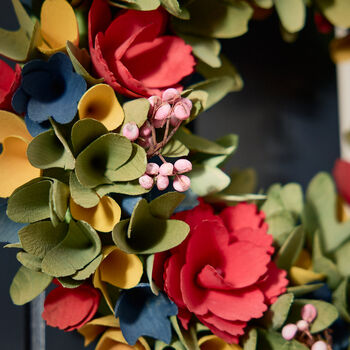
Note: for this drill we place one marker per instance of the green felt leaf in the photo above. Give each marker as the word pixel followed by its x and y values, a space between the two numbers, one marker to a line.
pixel 176 345
pixel 251 340
pixel 266 4
pixel 83 196
pixel 80 246
pixel 277 314
pixel 59 174
pixel 18 45
pixel 200 144
pixel 242 182
pixel 271 340
pixel 132 188
pixel 206 49
pixel 13 245
pixel 292 198
pixel 322 264
pixel 88 270
pixel 280 225
pixel 46 151
pixel 230 20
pixel 30 202
pixel 68 282
pixel 326 314
pixel 41 237
pixel 59 193
pixel 146 234
pixel 291 248
pixel 231 198
pixel 140 5
pixel 27 285
pixel 206 180
pixel 292 14
pixel 133 168
pixel 29 261
pixel 149 271
pixel 321 197
pixel 188 337
pixel 273 204
pixel 199 100
pixel 108 152
pixel 163 206
pixel 304 289
pixel 81 61
pixel 86 131
pixel 174 149
pixel 173 7
pixel 136 111
pixel 340 299
pixel 342 255
pixel 337 11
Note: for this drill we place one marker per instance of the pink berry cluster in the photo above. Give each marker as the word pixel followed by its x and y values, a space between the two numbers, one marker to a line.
pixel 160 175
pixel 301 330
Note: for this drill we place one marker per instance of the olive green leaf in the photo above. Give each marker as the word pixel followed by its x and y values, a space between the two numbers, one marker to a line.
pixel 136 111
pixel 174 149
pixel 280 226
pixel 292 14
pixel 304 289
pixel 59 196
pixel 88 270
pixel 266 4
pixel 163 206
pixel 188 337
pixel 250 340
pixel 340 299
pixel 336 12
pixel 173 7
pixel 132 188
pixel 29 261
pixel 68 282
pixel 149 271
pixel 272 340
pixel 242 182
pixel 199 101
pixel 27 285
pixel 342 259
pixel 140 5
pixel 83 196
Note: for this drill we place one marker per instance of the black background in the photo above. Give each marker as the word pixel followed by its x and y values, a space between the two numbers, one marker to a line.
pixel 286 117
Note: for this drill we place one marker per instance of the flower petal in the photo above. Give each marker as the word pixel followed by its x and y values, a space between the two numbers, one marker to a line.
pixel 12 125
pixel 212 342
pixel 341 173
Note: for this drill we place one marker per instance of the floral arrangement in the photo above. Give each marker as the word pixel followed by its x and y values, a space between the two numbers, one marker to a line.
pixel 109 196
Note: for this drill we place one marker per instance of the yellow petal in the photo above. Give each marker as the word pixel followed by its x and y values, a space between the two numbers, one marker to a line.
pixel 95 327
pixel 100 103
pixel 12 125
pixel 342 210
pixel 300 276
pixel 113 340
pixel 212 342
pixel 340 49
pixel 58 24
pixel 304 260
pixel 103 217
pixel 15 167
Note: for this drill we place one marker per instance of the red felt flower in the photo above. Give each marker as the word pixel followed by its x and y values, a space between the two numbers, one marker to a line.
pixel 70 309
pixel 9 82
pixel 132 53
pixel 341 173
pixel 322 24
pixel 223 271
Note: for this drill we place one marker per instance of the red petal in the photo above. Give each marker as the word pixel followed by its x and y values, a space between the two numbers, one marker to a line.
pixel 341 173
pixel 160 63
pixel 227 337
pixel 184 316
pixel 274 284
pixel 9 82
pixel 210 278
pixel 99 19
pixel 69 309
pixel 158 268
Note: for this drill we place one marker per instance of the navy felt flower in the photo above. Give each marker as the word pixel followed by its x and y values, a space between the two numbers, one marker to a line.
pixel 49 89
pixel 142 313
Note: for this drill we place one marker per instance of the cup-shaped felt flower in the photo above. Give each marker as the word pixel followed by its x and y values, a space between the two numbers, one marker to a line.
pixel 49 89
pixel 341 174
pixel 15 167
pixel 112 337
pixel 9 82
pixel 70 308
pixel 133 54
pixel 222 273
pixel 212 342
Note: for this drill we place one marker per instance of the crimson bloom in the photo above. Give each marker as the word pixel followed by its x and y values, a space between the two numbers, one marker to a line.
pixel 222 273
pixel 9 82
pixel 132 53
pixel 341 173
pixel 70 309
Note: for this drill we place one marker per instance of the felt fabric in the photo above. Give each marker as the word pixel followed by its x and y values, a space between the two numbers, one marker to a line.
pixel 9 82
pixel 341 173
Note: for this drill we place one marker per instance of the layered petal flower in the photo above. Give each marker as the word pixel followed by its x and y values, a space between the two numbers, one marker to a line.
pixel 9 82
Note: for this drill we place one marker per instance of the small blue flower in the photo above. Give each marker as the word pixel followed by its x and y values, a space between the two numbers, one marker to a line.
pixel 49 89
pixel 141 313
pixel 9 229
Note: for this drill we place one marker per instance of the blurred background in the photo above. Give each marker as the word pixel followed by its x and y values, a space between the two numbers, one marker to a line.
pixel 285 116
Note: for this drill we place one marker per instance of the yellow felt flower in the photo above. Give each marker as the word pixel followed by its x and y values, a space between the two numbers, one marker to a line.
pixel 302 272
pixel 100 103
pixel 57 25
pixel 112 337
pixel 212 342
pixel 15 167
pixel 118 269
pixel 343 210
pixel 103 217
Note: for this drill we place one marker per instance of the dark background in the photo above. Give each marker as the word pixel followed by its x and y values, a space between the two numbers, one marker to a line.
pixel 286 117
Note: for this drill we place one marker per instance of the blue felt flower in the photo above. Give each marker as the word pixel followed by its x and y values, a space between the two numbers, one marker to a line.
pixel 49 89
pixel 9 229
pixel 142 313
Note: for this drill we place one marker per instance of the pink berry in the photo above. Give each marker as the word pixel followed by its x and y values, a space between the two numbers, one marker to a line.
pixel 152 169
pixel 319 345
pixel 182 166
pixel 182 111
pixel 187 102
pixel 166 169
pixel 181 183
pixel 162 182
pixel 158 123
pixel 308 313
pixel 131 131
pixel 289 331
pixel 163 112
pixel 170 95
pixel 154 101
pixel 146 181
pixel 145 130
pixel 174 121
pixel 302 326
